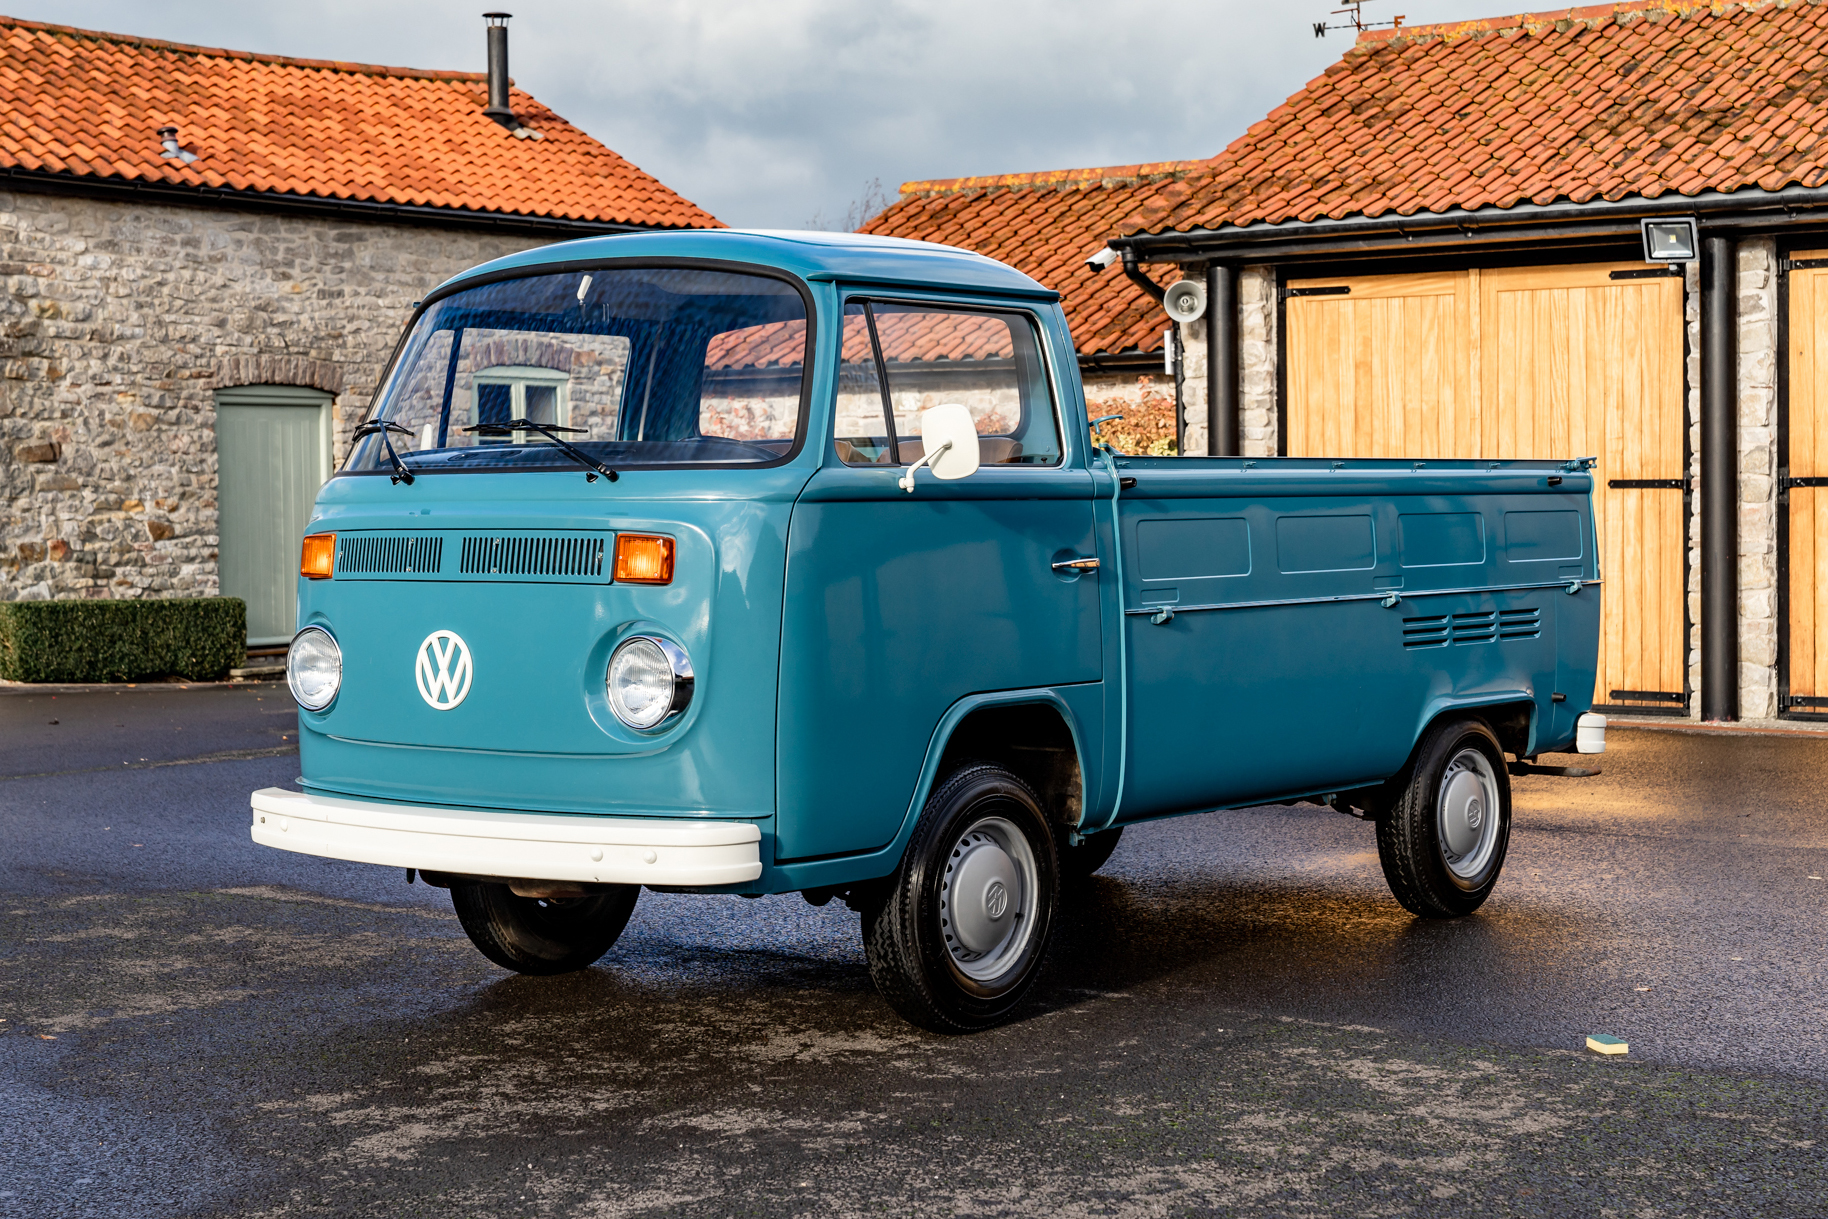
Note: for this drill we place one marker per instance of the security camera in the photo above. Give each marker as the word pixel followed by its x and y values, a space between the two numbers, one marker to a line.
pixel 1102 259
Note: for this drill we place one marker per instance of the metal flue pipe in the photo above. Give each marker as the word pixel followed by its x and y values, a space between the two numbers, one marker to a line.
pixel 498 108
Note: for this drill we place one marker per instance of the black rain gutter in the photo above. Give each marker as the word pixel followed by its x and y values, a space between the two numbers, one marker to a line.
pixel 1523 222
pixel 123 190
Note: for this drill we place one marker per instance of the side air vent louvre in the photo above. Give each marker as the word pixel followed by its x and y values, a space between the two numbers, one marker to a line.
pixel 531 556
pixel 1476 628
pixel 1428 632
pixel 1439 630
pixel 1519 623
pixel 388 555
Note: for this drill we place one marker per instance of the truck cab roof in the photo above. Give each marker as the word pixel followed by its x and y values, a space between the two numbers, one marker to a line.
pixel 812 255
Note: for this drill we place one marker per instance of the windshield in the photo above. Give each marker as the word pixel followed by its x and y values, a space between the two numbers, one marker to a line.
pixel 633 366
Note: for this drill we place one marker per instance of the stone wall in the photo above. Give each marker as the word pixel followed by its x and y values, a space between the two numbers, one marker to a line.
pixel 1257 338
pixel 117 323
pixel 1758 503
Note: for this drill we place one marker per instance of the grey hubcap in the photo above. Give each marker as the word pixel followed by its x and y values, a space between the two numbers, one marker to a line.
pixel 986 898
pixel 1468 810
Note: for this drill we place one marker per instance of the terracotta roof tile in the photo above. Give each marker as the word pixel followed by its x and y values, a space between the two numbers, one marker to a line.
pixel 91 104
pixel 1606 101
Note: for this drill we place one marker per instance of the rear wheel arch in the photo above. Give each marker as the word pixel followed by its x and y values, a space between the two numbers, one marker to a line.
pixel 1511 718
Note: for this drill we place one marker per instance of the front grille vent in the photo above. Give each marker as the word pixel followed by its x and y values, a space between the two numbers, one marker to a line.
pixel 392 555
pixel 531 556
pixel 1439 630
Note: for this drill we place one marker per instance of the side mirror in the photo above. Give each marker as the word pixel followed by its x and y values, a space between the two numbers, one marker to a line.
pixel 948 436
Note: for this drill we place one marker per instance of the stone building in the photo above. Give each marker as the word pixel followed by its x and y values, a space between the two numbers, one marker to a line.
pixel 206 257
pixel 1598 231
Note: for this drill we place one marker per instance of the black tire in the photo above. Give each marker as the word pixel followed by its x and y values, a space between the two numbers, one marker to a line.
pixel 952 967
pixel 1079 862
pixel 543 936
pixel 1442 847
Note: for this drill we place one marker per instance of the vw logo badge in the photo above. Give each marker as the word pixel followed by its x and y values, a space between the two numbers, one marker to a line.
pixel 443 670
pixel 996 900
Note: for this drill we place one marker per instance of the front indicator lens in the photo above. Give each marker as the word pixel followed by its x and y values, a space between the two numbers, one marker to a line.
pixel 314 668
pixel 643 558
pixel 650 681
pixel 317 558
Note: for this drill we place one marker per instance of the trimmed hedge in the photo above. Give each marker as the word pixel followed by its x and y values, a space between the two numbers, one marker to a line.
pixel 196 638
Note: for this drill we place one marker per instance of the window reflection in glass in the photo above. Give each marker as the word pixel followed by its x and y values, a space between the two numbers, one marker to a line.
pixel 645 365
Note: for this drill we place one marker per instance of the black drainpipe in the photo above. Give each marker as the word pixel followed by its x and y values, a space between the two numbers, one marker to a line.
pixel 1222 361
pixel 498 108
pixel 1719 484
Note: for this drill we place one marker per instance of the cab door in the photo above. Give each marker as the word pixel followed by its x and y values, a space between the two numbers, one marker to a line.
pixel 898 604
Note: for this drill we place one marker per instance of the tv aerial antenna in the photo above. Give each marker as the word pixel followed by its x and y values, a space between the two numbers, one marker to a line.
pixel 1355 20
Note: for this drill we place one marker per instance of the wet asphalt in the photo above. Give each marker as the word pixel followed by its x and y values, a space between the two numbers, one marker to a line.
pixel 1239 1019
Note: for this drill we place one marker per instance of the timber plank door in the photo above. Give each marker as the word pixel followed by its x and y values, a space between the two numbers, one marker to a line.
pixel 1378 367
pixel 1803 491
pixel 1530 362
pixel 1586 361
pixel 272 455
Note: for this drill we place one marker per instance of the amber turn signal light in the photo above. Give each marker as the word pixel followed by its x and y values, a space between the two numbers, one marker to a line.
pixel 318 558
pixel 642 558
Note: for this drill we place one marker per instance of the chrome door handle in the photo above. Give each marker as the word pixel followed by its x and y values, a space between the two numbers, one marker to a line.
pixel 1090 564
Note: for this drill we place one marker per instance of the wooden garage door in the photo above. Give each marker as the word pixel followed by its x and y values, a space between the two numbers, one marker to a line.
pixel 1552 362
pixel 1805 489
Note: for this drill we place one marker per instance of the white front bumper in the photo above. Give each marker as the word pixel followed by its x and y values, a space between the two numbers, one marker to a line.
pixel 533 846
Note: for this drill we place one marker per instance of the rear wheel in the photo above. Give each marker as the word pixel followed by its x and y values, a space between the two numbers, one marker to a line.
pixel 963 926
pixel 543 935
pixel 1443 843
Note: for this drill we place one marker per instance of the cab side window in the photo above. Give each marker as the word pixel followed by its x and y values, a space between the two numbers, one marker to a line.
pixel 989 361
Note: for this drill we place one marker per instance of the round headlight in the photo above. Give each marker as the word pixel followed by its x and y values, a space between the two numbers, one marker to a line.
pixel 314 668
pixel 650 681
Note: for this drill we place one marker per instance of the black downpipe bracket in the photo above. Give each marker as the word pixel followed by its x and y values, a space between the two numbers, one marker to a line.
pixel 1223 374
pixel 1719 483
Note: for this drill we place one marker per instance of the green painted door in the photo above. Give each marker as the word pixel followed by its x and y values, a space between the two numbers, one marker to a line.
pixel 272 454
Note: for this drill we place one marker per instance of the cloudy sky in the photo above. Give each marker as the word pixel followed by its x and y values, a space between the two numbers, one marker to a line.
pixel 777 113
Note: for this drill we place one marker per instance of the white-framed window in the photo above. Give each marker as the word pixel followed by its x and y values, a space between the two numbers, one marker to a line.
pixel 510 391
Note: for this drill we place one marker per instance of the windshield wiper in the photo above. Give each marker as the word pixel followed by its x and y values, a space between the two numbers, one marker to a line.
pixel 592 467
pixel 381 427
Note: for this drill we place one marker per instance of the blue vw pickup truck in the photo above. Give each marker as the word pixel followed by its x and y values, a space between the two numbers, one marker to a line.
pixel 756 563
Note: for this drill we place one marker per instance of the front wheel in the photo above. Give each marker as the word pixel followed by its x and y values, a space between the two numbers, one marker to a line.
pixel 1442 844
pixel 543 935
pixel 964 925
